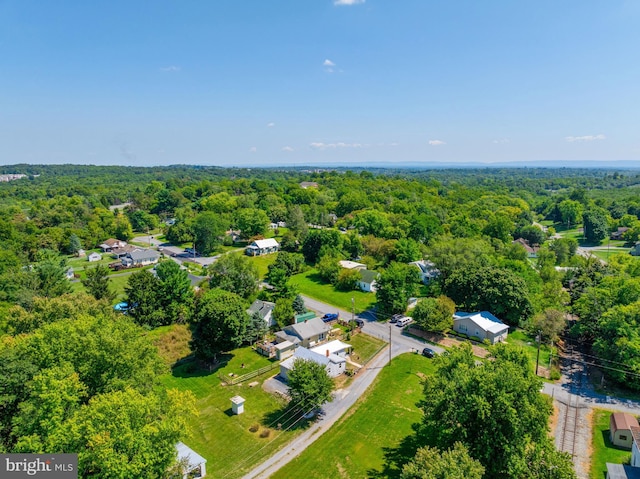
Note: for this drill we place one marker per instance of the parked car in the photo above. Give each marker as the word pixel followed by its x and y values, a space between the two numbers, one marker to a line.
pixel 191 251
pixel 403 321
pixel 360 323
pixel 395 318
pixel 327 318
pixel 428 352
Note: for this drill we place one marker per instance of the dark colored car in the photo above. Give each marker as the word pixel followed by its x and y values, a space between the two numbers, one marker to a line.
pixel 330 317
pixel 429 353
pixel 360 323
pixel 395 318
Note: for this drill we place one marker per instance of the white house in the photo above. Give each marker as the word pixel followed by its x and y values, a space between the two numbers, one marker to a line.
pixel 368 280
pixel 334 364
pixel 194 465
pixel 260 247
pixel 333 347
pixel 264 309
pixel 427 270
pixel 93 257
pixel 482 325
pixel 307 334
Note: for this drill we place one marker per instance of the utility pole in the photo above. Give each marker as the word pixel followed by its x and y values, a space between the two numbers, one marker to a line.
pixel 389 344
pixel 353 309
pixel 539 339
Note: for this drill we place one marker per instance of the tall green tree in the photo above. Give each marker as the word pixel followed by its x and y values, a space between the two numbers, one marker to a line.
pixel 434 314
pixel 142 293
pixel 570 211
pixel 309 385
pixel 175 294
pixel 499 412
pixel 97 283
pixel 234 273
pixel 127 434
pixel 252 222
pixel 221 323
pixel 596 225
pixel 396 285
pixel 207 229
pixel 496 290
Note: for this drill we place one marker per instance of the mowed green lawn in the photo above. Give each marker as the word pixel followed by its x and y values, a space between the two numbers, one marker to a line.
pixel 528 343
pixel 364 347
pixel 312 285
pixel 603 450
pixel 222 438
pixel 381 418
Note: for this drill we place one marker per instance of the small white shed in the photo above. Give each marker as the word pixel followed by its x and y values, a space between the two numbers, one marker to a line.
pixel 93 257
pixel 237 404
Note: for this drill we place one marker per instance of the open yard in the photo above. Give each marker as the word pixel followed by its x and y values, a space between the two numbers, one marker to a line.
pixel 232 444
pixel 312 285
pixel 364 347
pixel 262 262
pixel 603 450
pixel 528 343
pixel 382 417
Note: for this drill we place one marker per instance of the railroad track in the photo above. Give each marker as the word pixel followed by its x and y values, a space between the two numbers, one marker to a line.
pixel 567 440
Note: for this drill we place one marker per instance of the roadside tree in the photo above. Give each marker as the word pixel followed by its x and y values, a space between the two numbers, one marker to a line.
pixel 309 385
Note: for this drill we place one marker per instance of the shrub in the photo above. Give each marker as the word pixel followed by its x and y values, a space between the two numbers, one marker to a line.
pixel 265 433
pixel 254 428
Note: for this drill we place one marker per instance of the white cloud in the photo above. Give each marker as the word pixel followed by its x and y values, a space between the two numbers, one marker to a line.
pixel 348 2
pixel 253 149
pixel 329 66
pixel 572 139
pixel 271 124
pixel 500 141
pixel 436 142
pixel 171 69
pixel 287 148
pixel 327 146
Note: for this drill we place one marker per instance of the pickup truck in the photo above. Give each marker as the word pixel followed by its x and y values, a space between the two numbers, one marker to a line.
pixel 327 318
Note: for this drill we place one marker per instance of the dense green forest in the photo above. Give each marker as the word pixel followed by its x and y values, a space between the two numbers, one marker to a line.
pixel 67 360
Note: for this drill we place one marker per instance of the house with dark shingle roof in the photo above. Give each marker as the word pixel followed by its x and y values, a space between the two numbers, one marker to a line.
pixel 264 309
pixel 368 280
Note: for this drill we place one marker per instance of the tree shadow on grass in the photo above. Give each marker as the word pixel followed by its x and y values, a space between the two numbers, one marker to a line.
pixel 395 458
pixel 291 419
pixel 316 278
pixel 192 368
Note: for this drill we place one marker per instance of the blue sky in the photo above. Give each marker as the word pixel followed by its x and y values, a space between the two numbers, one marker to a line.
pixel 271 82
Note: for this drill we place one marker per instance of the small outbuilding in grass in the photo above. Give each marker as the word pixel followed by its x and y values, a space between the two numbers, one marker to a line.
pixel 620 424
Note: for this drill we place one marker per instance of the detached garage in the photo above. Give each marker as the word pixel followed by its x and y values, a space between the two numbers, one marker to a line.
pixel 620 429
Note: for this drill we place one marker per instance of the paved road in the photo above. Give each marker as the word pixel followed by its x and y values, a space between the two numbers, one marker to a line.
pixel 344 398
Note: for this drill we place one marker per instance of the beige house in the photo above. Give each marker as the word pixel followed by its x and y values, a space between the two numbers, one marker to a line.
pixel 620 425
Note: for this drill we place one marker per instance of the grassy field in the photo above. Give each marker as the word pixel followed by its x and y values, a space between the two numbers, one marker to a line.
pixel 224 439
pixel 605 254
pixel 262 262
pixel 172 342
pixel 312 285
pixel 528 343
pixel 382 417
pixel 364 347
pixel 603 450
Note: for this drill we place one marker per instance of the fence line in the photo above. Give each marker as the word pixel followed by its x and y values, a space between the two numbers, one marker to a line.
pixel 232 381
